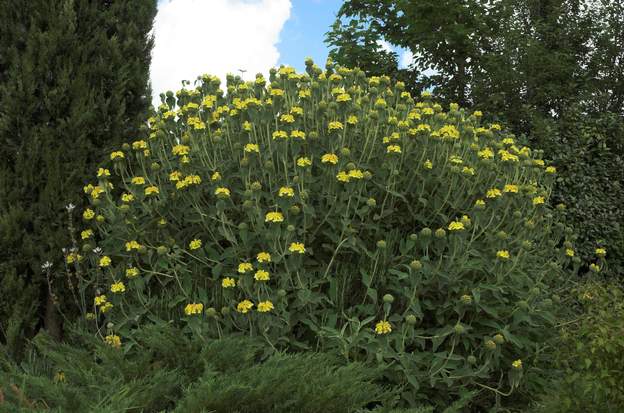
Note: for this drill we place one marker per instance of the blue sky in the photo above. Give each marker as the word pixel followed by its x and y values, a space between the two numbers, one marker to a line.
pixel 303 34
pixel 193 37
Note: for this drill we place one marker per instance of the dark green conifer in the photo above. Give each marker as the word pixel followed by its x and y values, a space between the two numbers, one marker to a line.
pixel 74 83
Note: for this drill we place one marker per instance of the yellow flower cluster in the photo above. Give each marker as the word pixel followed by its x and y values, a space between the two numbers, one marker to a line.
pixel 265 306
pixel 195 244
pixel 181 150
pixel 133 246
pixel 137 180
pixel 188 181
pixel 105 261
pixel 274 217
pixel 113 340
pixel 263 257
pixel 118 287
pixel 101 302
pixel 244 306
pixel 222 192
pixel 244 267
pixel 252 147
pixel 193 308
pixel 456 226
pixel 502 254
pixel 228 282
pixel 152 190
pixel 329 158
pixel 335 125
pixel 352 174
pixel 262 275
pixel 303 162
pixel 297 247
pixel 383 327
pixel 286 192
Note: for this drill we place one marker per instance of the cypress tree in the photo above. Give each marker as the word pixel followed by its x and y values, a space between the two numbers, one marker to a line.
pixel 74 83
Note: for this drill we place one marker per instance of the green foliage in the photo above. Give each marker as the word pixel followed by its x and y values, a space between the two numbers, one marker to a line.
pixel 512 58
pixel 297 383
pixel 442 35
pixel 334 212
pixel 73 82
pixel 549 69
pixel 588 151
pixel 165 371
pixel 590 353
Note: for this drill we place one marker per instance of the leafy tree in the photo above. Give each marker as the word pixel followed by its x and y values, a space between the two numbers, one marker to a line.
pixel 445 36
pixel 74 81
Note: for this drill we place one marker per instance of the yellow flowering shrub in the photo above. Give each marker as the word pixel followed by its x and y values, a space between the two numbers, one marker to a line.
pixel 363 221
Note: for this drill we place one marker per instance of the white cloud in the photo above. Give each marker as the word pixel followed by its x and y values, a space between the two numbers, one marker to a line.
pixel 193 37
pixel 406 59
pixel 384 45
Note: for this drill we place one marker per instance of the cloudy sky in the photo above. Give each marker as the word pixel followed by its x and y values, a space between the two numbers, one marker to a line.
pixel 193 37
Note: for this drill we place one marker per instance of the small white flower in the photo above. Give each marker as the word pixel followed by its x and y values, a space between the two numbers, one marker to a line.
pixel 46 265
pixel 70 207
pixel 97 250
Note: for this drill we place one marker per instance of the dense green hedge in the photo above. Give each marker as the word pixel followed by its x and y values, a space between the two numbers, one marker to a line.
pixel 589 154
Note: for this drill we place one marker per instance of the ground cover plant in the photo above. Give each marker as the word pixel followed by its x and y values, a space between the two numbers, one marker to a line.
pixel 332 212
pixel 166 371
pixel 589 357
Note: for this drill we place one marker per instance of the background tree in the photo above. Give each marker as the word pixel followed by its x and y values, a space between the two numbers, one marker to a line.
pixel 74 82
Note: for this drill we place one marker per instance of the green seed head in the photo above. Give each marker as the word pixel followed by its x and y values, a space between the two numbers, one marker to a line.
pixel 415 265
pixel 295 210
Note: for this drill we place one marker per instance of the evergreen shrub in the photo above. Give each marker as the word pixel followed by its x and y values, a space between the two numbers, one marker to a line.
pixel 164 371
